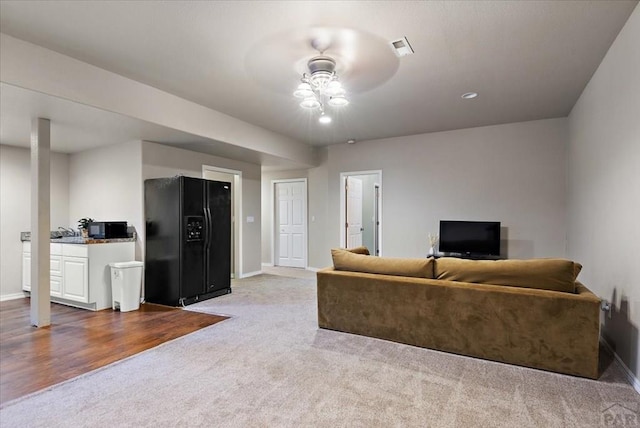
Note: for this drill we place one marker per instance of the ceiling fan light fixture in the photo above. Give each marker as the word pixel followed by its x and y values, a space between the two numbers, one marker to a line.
pixel 310 102
pixel 321 63
pixel 320 87
pixel 304 91
pixel 334 88
pixel 338 101
pixel 320 79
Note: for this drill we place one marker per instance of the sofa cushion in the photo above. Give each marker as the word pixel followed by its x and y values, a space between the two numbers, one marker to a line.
pixel 346 260
pixel 359 250
pixel 577 267
pixel 545 274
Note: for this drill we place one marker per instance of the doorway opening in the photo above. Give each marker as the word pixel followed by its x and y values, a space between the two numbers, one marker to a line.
pixel 235 178
pixel 290 222
pixel 361 210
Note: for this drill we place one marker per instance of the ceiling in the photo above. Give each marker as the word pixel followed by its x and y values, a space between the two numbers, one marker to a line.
pixel 76 127
pixel 527 60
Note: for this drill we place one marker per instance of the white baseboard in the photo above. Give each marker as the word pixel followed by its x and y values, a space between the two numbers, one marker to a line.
pixel 633 380
pixel 250 274
pixel 267 264
pixel 12 296
pixel 313 269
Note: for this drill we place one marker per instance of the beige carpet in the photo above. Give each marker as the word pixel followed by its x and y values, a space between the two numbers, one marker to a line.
pixel 289 272
pixel 270 366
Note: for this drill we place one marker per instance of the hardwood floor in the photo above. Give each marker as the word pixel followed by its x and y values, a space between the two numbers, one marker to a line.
pixel 79 341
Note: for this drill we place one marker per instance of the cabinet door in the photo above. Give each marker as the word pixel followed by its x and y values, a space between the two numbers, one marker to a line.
pixel 56 286
pixel 75 278
pixel 26 271
pixel 55 272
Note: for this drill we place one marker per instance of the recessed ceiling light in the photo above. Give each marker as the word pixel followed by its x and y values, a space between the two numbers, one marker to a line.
pixel 351 141
pixel 324 119
pixel 469 95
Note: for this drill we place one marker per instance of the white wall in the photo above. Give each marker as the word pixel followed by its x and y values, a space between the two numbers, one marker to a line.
pixel 514 173
pixel 604 188
pixel 15 209
pixel 106 185
pixel 318 183
pixel 164 161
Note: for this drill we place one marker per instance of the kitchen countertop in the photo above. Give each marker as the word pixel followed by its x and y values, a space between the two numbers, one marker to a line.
pixel 79 240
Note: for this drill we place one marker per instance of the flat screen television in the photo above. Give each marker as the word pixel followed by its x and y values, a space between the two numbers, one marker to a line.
pixel 470 237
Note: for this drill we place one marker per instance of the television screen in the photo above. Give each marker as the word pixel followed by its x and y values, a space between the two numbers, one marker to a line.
pixel 470 237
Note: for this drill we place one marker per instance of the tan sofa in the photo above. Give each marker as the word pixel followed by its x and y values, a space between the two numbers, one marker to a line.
pixel 527 312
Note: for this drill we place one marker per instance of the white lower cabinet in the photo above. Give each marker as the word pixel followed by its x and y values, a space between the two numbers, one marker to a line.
pixel 55 269
pixel 26 271
pixel 56 286
pixel 75 278
pixel 79 273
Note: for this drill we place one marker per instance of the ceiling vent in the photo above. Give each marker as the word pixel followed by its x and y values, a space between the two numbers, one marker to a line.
pixel 401 47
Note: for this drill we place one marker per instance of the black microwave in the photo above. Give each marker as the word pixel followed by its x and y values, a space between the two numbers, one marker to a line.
pixel 108 229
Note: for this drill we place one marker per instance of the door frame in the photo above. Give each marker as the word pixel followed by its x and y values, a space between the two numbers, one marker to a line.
pixel 237 217
pixel 274 223
pixel 343 207
pixel 377 207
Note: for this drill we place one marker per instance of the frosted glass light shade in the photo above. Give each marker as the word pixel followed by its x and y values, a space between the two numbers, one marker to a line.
pixel 303 91
pixel 310 102
pixel 338 101
pixel 334 88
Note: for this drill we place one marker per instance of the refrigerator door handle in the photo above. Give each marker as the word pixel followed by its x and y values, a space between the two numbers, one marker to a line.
pixel 206 228
pixel 209 228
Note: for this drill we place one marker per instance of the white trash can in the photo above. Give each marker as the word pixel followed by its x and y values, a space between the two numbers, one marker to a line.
pixel 126 283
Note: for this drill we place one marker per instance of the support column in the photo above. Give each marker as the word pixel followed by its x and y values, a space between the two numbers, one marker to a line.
pixel 40 222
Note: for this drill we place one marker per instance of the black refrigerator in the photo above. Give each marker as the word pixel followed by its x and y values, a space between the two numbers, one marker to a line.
pixel 188 240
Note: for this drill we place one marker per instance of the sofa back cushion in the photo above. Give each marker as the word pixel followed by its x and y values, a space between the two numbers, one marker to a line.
pixel 545 274
pixel 346 260
pixel 359 250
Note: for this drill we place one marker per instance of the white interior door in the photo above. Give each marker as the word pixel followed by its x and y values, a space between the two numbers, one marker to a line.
pixel 354 228
pixel 291 228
